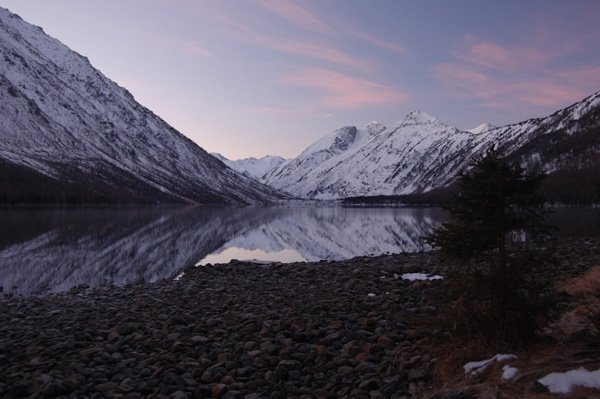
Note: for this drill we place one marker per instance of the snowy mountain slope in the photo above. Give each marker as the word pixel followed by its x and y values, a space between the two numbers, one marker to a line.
pixel 567 139
pixel 63 123
pixel 409 157
pixel 253 167
pixel 296 175
pixel 422 153
pixel 484 127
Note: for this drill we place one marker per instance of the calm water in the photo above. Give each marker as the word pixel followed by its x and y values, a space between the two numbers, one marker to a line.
pixel 45 251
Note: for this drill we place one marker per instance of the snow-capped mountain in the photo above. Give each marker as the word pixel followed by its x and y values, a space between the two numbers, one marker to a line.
pixel 253 167
pixel 567 139
pixel 421 153
pixel 67 132
pixel 410 157
pixel 299 174
pixel 484 127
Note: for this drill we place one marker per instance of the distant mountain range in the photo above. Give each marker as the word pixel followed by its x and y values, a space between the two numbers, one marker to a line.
pixel 69 134
pixel 421 153
pixel 252 167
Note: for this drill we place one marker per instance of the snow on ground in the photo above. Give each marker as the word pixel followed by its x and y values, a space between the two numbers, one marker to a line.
pixel 474 368
pixel 508 372
pixel 563 382
pixel 416 277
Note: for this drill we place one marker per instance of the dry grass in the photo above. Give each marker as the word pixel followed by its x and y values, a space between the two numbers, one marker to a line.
pixel 583 319
pixel 575 344
pixel 588 284
pixel 453 357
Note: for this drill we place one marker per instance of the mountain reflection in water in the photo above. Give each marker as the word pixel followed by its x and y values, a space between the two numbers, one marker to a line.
pixel 43 251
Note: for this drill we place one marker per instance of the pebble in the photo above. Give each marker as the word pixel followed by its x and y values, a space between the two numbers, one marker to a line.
pixel 235 331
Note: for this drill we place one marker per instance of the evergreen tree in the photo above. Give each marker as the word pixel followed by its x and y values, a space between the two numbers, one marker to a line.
pixel 498 235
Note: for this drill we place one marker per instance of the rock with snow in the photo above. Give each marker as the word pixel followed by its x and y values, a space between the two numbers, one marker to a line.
pixel 67 132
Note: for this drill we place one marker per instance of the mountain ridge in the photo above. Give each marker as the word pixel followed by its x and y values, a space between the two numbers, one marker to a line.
pixel 251 166
pixel 421 153
pixel 66 124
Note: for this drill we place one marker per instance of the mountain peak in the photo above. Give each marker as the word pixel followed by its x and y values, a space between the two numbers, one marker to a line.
pixel 374 128
pixel 484 127
pixel 418 117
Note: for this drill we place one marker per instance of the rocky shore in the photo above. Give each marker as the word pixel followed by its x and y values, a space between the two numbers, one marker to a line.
pixel 304 330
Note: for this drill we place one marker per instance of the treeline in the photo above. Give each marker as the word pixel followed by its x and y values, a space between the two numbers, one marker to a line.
pixel 435 197
pixel 566 187
pixel 572 187
pixel 22 185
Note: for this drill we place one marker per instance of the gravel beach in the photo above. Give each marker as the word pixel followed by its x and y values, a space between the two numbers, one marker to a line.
pixel 240 330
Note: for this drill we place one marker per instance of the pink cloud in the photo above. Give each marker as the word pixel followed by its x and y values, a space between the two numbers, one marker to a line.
pixel 244 32
pixel 192 48
pixel 456 73
pixel 295 14
pixel 512 92
pixel 544 93
pixel 387 45
pixel 283 110
pixel 251 28
pixel 338 90
pixel 304 18
pixel 511 77
pixel 186 46
pixel 492 55
pixel 300 47
pixel 583 77
pixel 317 51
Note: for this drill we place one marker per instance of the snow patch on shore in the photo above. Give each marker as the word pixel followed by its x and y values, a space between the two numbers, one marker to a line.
pixel 509 372
pixel 417 277
pixel 563 382
pixel 474 368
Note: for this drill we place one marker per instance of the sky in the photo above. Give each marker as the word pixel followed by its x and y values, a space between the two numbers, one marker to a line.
pixel 256 77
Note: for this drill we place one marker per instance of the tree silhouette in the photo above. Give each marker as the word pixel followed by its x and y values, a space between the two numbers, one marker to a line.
pixel 498 235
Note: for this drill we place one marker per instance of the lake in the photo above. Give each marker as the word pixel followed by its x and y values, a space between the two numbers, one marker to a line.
pixel 53 250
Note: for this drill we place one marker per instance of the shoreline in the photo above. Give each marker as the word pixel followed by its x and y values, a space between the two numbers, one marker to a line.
pixel 306 330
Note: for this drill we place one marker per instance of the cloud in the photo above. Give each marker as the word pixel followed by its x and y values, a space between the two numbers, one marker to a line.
pixel 295 14
pixel 233 27
pixel 387 45
pixel 583 77
pixel 500 76
pixel 304 48
pixel 283 110
pixel 337 90
pixel 185 46
pixel 467 78
pixel 304 18
pixel 510 93
pixel 317 51
pixel 492 55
